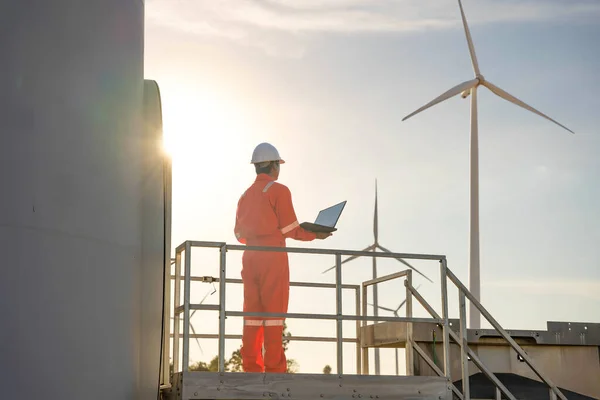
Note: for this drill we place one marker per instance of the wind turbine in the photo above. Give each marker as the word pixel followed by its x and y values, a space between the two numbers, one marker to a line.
pixel 374 248
pixel 395 312
pixel 465 89
pixel 192 326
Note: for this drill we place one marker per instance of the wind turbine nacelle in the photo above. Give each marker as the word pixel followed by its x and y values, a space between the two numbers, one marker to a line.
pixel 465 94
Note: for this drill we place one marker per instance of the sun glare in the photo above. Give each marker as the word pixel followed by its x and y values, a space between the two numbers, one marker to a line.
pixel 196 125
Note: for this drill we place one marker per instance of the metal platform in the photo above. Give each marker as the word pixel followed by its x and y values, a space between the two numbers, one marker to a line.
pixel 457 350
pixel 249 386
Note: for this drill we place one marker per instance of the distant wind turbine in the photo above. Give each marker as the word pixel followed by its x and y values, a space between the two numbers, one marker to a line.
pixel 470 88
pixel 192 326
pixel 374 248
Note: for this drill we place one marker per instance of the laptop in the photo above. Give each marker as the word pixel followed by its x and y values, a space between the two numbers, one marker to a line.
pixel 326 220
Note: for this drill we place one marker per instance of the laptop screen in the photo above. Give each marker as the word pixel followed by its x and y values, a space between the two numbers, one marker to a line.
pixel 329 216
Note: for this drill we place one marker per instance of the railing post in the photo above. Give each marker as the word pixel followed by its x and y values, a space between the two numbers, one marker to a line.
pixel 446 327
pixel 409 351
pixel 338 298
pixel 222 282
pixel 365 350
pixel 186 307
pixel 376 314
pixel 358 339
pixel 463 344
pixel 176 315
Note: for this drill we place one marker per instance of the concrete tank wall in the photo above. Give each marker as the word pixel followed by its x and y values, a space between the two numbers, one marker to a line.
pixel 71 82
pixel 156 242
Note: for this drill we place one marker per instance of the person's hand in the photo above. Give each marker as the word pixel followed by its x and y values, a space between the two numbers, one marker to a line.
pixel 323 235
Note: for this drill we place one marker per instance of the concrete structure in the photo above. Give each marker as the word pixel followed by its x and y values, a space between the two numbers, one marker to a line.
pixel 81 209
pixel 567 353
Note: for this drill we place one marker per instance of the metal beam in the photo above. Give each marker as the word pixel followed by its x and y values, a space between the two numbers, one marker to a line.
pixel 292 338
pixel 303 250
pixel 214 279
pixel 386 278
pixel 329 317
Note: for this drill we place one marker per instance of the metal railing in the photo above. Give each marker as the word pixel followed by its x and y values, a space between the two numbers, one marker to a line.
pixel 362 363
pixel 339 317
pixel 409 350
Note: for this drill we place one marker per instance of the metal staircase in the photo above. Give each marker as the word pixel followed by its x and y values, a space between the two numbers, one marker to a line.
pixel 408 331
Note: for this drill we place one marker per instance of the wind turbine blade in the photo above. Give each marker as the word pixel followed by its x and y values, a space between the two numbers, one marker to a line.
pixel 458 89
pixel 382 307
pixel 350 258
pixel 405 263
pixel 469 40
pixel 204 298
pixel 376 217
pixel 197 341
pixel 400 306
pixel 508 97
pixel 404 302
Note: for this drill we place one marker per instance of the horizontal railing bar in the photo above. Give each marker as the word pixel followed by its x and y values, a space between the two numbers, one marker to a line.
pixel 386 278
pixel 299 284
pixel 215 307
pixel 294 338
pixel 200 243
pixel 301 250
pixel 332 317
pixel 306 250
pixel 205 307
pixel 502 332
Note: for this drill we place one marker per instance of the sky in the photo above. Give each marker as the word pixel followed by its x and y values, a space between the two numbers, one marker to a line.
pixel 328 83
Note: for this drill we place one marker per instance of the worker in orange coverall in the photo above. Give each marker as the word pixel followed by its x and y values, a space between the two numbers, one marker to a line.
pixel 265 217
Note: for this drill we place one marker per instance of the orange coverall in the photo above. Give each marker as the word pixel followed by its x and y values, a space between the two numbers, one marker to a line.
pixel 265 217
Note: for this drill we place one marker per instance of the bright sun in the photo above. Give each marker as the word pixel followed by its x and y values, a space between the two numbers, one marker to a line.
pixel 199 125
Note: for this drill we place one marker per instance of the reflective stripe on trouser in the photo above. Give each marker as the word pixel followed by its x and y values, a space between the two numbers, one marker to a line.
pixel 266 289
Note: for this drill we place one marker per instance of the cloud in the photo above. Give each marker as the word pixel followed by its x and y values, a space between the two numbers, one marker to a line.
pixel 279 27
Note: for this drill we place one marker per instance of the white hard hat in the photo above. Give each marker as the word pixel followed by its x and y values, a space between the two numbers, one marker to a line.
pixel 265 152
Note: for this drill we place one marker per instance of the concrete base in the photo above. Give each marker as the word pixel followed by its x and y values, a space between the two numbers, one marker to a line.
pixel 567 353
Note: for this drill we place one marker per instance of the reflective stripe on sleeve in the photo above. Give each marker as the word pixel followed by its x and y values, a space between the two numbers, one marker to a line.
pixel 274 322
pixel 253 322
pixel 291 226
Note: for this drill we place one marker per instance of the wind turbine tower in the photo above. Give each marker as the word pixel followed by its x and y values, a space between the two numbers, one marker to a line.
pixel 465 89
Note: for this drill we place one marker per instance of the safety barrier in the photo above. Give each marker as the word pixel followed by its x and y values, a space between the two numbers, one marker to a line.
pixel 362 362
